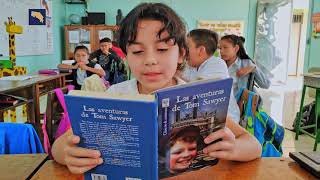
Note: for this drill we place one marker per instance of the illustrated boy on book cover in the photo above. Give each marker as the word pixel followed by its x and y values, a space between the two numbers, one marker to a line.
pixel 186 118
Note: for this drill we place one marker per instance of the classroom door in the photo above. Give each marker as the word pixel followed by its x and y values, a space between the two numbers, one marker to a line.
pixel 272 38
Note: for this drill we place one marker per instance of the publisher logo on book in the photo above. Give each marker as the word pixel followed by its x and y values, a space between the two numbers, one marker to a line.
pixel 165 103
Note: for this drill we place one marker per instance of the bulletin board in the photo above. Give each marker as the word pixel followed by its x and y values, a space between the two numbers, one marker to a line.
pixel 35 39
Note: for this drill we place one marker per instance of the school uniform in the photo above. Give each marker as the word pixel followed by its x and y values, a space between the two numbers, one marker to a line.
pixel 242 82
pixel 213 68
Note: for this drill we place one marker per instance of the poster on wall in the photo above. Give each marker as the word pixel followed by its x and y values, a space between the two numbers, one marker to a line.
pixel 223 27
pixel 316 25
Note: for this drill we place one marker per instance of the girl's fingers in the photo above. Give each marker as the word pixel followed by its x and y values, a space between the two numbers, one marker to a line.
pixel 219 146
pixel 81 162
pixel 73 140
pixel 224 134
pixel 80 170
pixel 82 152
pixel 220 154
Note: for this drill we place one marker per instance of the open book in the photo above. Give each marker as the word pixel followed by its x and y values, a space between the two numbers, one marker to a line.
pixel 149 136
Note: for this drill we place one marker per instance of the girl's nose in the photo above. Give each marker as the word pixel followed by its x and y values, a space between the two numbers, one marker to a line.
pixel 150 61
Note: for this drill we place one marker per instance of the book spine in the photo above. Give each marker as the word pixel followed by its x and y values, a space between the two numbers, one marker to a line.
pixel 155 145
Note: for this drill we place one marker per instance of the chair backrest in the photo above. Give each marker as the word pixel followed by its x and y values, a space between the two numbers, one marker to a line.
pixel 53 113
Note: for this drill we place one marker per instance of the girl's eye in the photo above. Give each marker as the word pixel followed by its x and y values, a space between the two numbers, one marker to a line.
pixel 162 49
pixel 137 52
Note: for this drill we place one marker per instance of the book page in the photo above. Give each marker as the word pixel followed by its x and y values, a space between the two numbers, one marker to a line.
pixel 139 97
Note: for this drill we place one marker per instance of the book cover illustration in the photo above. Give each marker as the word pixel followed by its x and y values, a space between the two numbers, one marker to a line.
pixel 124 131
pixel 186 115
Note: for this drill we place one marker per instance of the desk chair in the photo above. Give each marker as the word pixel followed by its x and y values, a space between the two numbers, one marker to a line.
pixel 53 113
pixel 311 81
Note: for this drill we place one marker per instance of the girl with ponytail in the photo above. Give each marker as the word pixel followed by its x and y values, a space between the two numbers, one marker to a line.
pixel 241 67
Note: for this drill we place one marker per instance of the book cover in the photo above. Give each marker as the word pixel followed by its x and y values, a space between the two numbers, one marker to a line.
pixel 186 115
pixel 142 137
pixel 124 131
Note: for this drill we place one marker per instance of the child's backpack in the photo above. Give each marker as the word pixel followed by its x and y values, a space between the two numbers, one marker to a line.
pixel 120 71
pixel 64 123
pixel 258 123
pixel 308 117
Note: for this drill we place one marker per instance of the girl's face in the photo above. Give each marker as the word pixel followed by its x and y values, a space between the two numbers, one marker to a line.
pixel 152 60
pixel 181 155
pixel 81 55
pixel 194 53
pixel 228 51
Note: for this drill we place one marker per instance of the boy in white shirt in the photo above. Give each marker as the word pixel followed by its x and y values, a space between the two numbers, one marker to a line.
pixel 201 64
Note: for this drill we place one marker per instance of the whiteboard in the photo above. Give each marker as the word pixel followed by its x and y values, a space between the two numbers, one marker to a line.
pixel 35 39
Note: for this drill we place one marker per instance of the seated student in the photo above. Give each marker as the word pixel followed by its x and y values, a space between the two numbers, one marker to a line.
pixel 82 68
pixel 240 64
pixel 110 62
pixel 202 64
pixel 152 36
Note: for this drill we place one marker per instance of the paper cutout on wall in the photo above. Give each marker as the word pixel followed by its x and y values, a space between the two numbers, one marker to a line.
pixel 223 27
pixel 37 17
pixel 316 25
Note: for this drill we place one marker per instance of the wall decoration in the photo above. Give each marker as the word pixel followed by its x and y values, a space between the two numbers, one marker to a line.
pixel 316 25
pixel 223 27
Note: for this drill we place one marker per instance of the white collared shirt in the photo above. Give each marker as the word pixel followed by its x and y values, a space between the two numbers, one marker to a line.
pixel 130 87
pixel 213 68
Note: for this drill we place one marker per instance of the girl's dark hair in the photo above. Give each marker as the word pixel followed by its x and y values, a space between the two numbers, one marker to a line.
pixel 81 47
pixel 237 40
pixel 172 23
pixel 204 37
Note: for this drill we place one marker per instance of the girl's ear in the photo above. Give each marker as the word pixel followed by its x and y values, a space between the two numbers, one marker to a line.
pixel 237 48
pixel 202 50
pixel 182 56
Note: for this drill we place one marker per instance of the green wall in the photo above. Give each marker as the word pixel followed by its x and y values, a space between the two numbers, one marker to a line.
pixel 190 10
pixel 312 57
pixel 34 63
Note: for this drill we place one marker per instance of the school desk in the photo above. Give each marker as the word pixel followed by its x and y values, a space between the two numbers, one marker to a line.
pixel 21 166
pixel 260 169
pixel 31 90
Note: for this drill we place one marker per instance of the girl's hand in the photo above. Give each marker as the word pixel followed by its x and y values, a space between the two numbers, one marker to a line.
pixel 80 160
pixel 82 65
pixel 223 149
pixel 245 70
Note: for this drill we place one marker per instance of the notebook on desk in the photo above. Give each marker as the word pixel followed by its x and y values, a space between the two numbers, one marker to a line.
pixel 308 160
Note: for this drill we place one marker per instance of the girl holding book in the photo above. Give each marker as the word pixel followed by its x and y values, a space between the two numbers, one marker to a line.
pixel 153 37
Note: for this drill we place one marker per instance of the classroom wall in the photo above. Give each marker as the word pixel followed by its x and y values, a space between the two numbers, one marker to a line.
pixel 34 63
pixel 312 58
pixel 190 10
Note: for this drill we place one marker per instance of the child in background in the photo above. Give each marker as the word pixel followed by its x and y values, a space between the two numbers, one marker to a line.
pixel 112 64
pixel 240 64
pixel 153 37
pixel 202 64
pixel 82 68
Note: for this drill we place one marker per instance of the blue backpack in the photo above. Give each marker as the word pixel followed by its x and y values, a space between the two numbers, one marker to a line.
pixel 258 123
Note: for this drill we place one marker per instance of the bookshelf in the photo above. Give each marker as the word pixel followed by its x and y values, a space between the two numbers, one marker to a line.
pixel 87 35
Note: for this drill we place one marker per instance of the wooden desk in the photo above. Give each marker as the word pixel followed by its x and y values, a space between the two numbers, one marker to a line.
pixel 266 168
pixel 21 166
pixel 31 90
